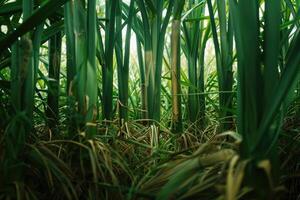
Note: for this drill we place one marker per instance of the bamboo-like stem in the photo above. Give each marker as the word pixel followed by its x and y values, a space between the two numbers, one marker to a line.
pixel 123 58
pixel 175 67
pixel 107 70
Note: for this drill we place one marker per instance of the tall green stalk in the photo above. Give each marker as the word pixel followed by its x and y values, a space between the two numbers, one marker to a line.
pixel 27 70
pixel 142 79
pixel 70 42
pixel 85 61
pixel 262 88
pixel 70 65
pixel 54 55
pixel 123 57
pixel 24 56
pixel 191 30
pixel 204 37
pixel 91 75
pixel 175 67
pixel 195 39
pixel 137 27
pixel 107 69
pixel 224 59
pixel 154 25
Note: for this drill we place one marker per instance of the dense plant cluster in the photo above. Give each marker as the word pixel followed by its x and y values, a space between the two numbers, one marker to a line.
pixel 149 99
